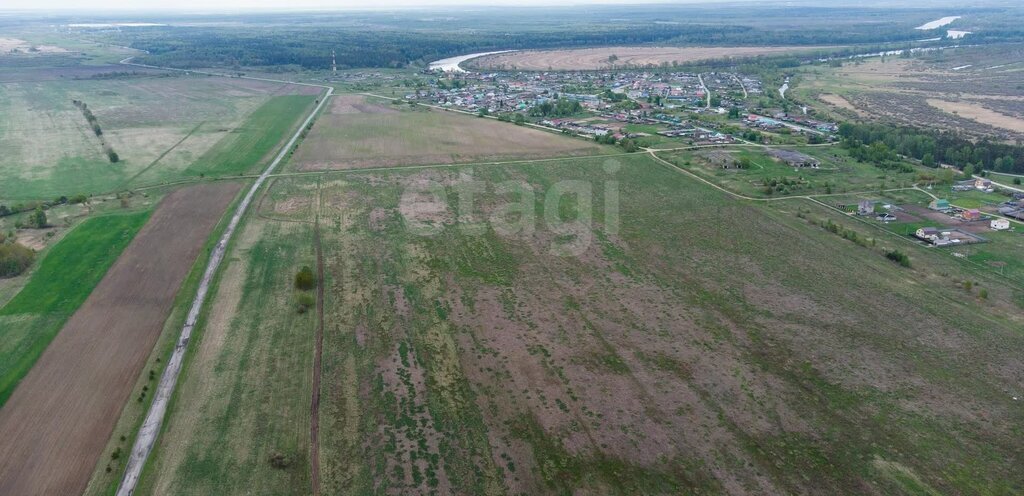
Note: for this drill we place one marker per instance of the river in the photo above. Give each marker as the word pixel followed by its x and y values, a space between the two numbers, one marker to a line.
pixel 451 64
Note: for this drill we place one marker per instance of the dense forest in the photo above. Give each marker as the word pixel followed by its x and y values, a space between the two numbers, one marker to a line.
pixel 878 143
pixel 394 39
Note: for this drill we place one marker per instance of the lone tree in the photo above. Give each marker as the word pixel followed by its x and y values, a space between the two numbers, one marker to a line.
pixel 38 218
pixel 305 280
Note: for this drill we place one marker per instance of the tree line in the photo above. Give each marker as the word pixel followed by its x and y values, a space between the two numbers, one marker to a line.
pixel 882 143
pixel 309 47
pixel 97 130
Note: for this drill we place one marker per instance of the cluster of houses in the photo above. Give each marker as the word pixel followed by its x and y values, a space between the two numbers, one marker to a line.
pixel 578 127
pixel 796 123
pixel 518 91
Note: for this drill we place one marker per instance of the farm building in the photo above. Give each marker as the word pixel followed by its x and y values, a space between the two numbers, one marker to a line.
pixel 939 204
pixel 928 233
pixel 967 185
pixel 941 237
pixel 795 159
pixel 999 224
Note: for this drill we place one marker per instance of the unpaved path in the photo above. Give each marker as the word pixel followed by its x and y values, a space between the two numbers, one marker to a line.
pixel 314 411
pixel 154 417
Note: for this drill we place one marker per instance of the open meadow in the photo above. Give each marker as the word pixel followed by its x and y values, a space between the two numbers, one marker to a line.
pixel 163 127
pixel 766 176
pixel 693 343
pixel 364 132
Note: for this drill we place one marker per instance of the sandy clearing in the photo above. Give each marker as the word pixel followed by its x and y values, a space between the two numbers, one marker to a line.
pixel 980 114
pixel 58 420
pixel 598 58
pixel 838 101
pixel 36 239
pixel 12 44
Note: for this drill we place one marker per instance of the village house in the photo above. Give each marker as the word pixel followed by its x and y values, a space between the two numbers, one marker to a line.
pixel 971 214
pixel 940 204
pixel 999 224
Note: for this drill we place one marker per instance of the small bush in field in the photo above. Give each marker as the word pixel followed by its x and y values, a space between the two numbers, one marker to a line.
pixel 305 280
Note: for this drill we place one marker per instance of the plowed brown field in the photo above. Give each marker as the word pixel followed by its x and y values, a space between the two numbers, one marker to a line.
pixel 55 425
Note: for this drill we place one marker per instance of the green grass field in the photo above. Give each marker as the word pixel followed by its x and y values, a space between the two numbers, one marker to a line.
pixel 247 148
pixel 838 173
pixel 62 281
pixel 696 344
pixel 163 129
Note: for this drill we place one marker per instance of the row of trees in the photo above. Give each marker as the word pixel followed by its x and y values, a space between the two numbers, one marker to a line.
pixel 627 144
pixel 18 208
pixel 97 130
pixel 879 143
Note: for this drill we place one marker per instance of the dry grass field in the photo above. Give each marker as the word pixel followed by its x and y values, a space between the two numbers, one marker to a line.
pixel 696 345
pixel 599 58
pixel 159 126
pixel 360 132
pixel 59 418
pixel 975 90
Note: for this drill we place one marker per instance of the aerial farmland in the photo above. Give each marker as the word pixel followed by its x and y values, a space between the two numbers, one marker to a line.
pixel 513 251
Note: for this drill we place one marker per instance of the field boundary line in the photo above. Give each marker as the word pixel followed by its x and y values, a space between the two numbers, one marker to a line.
pixel 150 429
pixel 162 155
pixel 314 410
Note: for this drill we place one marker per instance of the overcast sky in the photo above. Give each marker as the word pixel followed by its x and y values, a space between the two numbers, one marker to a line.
pixel 243 5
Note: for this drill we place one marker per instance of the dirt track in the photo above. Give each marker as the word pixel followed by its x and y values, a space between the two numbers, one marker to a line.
pixel 55 425
pixel 598 58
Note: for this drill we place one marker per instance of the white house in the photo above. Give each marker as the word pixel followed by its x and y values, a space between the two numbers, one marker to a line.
pixel 1000 224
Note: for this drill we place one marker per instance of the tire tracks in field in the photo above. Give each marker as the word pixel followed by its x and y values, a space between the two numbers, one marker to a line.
pixel 314 410
pixel 162 155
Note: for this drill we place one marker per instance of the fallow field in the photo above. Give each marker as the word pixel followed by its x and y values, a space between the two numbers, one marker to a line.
pixel 365 132
pixel 163 127
pixel 970 90
pixel 694 344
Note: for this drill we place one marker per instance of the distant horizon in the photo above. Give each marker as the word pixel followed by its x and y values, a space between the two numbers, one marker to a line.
pixel 200 7
pixel 237 6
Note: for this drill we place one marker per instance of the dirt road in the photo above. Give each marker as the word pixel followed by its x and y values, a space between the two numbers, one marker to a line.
pixel 54 427
pixel 168 380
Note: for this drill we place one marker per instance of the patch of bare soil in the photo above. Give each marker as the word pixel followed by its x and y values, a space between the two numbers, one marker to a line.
pixel 979 113
pixel 840 102
pixel 36 239
pixel 356 104
pixel 14 45
pixel 56 423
